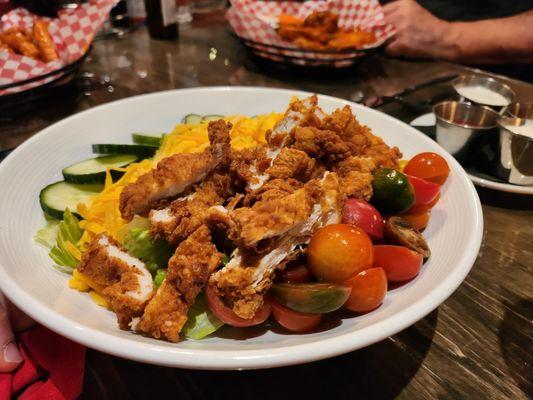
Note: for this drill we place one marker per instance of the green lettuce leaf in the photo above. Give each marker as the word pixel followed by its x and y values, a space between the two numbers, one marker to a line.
pixel 54 236
pixel 201 321
pixel 155 253
pixel 47 236
pixel 159 277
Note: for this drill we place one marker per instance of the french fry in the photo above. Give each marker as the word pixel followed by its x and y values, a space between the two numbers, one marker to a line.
pixel 18 41
pixel 5 47
pixel 41 37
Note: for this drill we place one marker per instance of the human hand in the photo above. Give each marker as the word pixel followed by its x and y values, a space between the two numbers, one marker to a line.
pixel 418 32
pixel 11 320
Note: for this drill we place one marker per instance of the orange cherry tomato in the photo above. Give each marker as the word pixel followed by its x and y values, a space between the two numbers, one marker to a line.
pixel 400 263
pixel 423 207
pixel 418 221
pixel 368 290
pixel 227 315
pixel 293 320
pixel 338 252
pixel 429 166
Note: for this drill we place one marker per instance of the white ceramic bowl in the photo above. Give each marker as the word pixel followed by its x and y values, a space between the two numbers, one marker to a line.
pixel 27 278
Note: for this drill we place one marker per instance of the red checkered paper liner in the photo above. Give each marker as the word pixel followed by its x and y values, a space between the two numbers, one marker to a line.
pixel 262 37
pixel 72 32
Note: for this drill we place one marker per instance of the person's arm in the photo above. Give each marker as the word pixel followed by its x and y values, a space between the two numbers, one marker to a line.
pixel 491 41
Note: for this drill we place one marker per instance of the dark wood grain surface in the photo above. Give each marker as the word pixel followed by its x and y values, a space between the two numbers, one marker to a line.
pixel 478 344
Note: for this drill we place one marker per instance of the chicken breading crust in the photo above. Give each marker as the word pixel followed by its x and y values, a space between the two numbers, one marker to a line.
pixel 124 280
pixel 174 174
pixel 188 271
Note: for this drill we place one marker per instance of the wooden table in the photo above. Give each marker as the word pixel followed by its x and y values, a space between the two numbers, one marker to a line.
pixel 476 345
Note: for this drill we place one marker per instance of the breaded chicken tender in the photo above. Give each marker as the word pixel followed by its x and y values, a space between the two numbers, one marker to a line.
pixel 271 218
pixel 292 164
pixel 243 282
pixel 174 174
pixel 188 271
pixel 177 221
pixel 126 282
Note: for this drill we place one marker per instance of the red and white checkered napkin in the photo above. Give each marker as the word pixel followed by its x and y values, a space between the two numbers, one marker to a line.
pixel 72 33
pixel 247 18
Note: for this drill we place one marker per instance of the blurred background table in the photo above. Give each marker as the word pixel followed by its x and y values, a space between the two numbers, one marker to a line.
pixel 476 345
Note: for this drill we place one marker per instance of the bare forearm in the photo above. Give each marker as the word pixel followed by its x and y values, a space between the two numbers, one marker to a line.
pixel 493 41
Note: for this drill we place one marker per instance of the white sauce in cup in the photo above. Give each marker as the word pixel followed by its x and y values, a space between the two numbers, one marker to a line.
pixel 482 95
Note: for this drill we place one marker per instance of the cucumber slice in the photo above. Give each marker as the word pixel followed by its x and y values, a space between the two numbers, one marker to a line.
pixel 212 117
pixel 93 170
pixel 139 150
pixel 59 196
pixel 148 139
pixel 192 119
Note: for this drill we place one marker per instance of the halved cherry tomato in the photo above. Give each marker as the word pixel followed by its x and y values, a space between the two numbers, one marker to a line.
pixel 227 315
pixel 368 290
pixel 313 298
pixel 425 191
pixel 338 252
pixel 424 207
pixel 295 274
pixel 400 263
pixel 428 166
pixel 419 221
pixel 360 213
pixel 292 320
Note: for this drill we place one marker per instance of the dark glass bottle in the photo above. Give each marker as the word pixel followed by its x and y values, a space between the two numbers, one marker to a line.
pixel 161 18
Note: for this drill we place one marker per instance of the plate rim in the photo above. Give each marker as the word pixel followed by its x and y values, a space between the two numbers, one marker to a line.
pixel 247 359
pixel 486 183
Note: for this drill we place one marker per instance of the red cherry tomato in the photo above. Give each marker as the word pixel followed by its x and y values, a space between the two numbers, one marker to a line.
pixel 423 207
pixel 428 166
pixel 227 315
pixel 418 221
pixel 338 252
pixel 292 320
pixel 295 274
pixel 360 213
pixel 425 191
pixel 400 263
pixel 368 290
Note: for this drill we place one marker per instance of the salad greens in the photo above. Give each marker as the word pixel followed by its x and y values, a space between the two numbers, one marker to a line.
pixel 153 252
pixel 159 277
pixel 61 238
pixel 201 321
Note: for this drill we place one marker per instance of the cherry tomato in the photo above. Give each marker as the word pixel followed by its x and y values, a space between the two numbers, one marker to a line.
pixel 419 221
pixel 360 213
pixel 295 274
pixel 292 320
pixel 227 315
pixel 400 263
pixel 338 252
pixel 368 290
pixel 425 191
pixel 428 166
pixel 424 207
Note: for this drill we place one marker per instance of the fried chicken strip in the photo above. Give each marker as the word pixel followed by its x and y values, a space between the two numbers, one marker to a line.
pixel 272 217
pixel 126 282
pixel 188 271
pixel 243 282
pixel 174 174
pixel 177 221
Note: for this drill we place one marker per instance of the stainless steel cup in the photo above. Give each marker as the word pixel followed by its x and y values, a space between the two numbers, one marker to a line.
pixel 516 151
pixel 488 83
pixel 520 110
pixel 465 130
